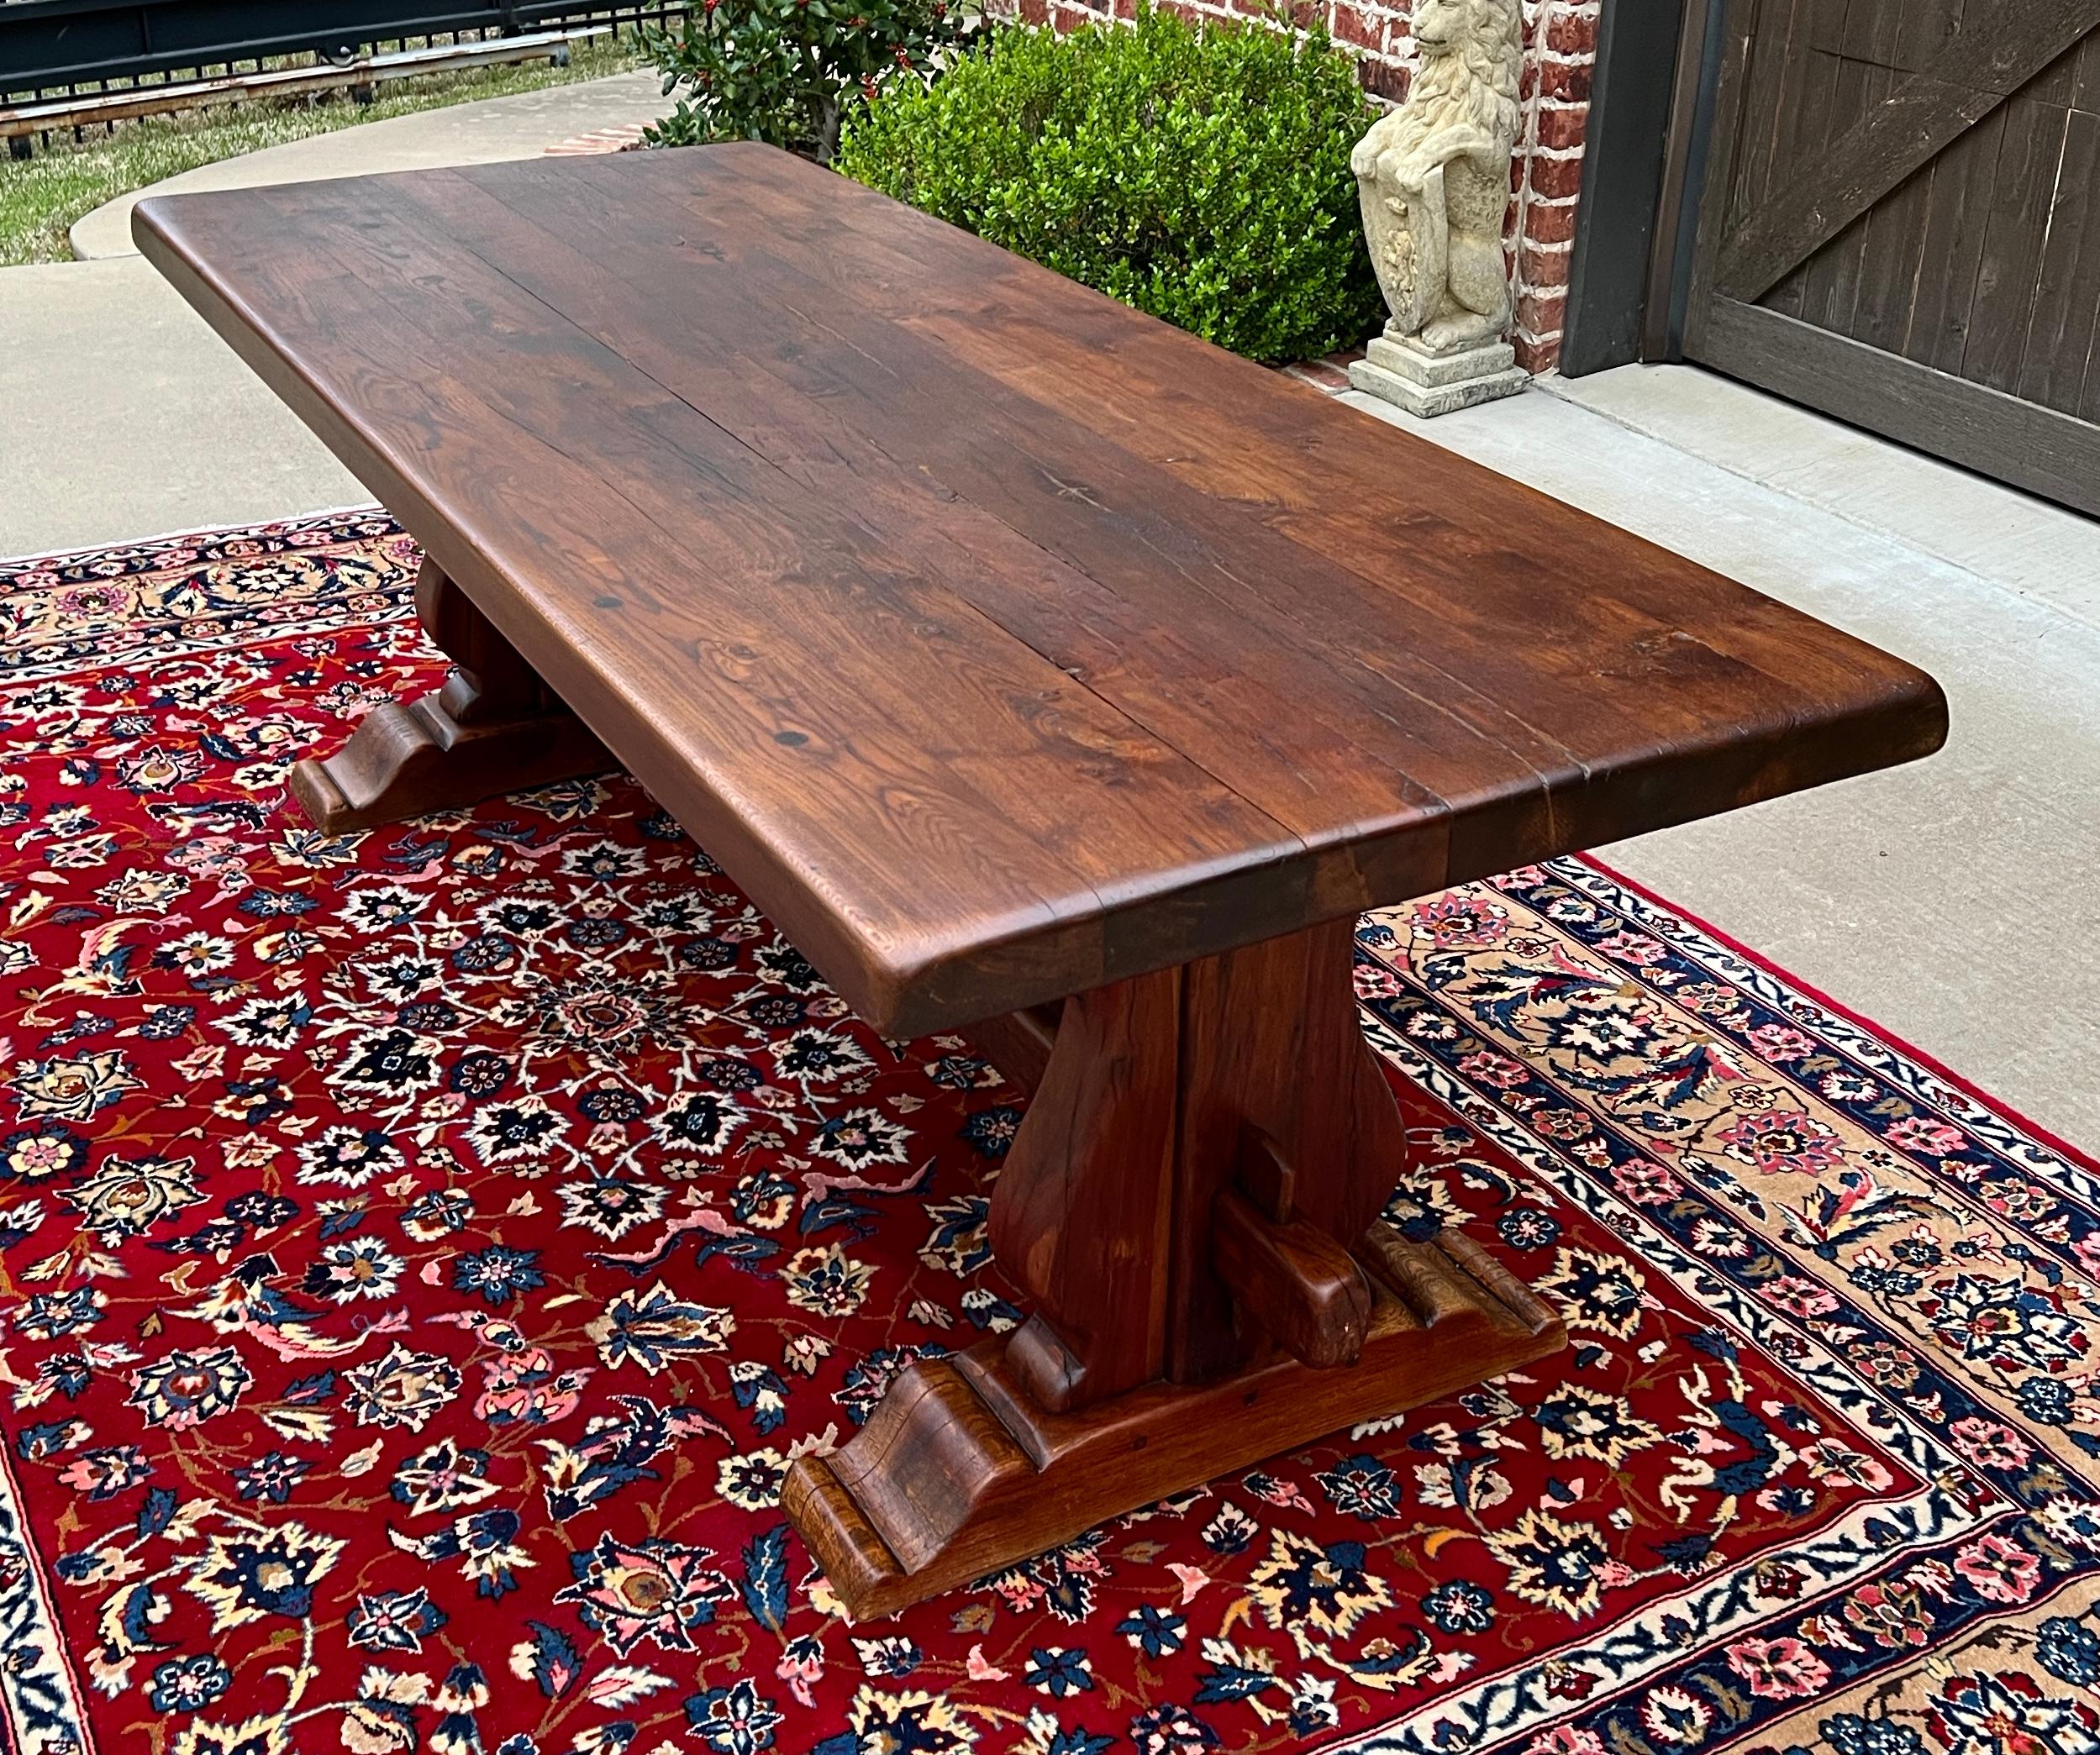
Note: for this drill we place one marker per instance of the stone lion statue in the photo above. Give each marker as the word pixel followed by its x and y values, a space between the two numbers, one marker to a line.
pixel 1434 177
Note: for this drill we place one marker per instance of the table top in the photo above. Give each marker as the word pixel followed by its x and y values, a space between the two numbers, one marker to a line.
pixel 999 640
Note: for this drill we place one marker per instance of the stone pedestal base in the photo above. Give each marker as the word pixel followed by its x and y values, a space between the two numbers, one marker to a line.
pixel 1427 384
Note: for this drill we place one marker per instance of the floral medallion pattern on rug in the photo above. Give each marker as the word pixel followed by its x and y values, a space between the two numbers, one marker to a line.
pixel 421 1251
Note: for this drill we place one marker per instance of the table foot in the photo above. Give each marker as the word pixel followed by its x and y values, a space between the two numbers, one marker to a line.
pixel 494 727
pixel 959 1474
pixel 408 761
pixel 1193 1207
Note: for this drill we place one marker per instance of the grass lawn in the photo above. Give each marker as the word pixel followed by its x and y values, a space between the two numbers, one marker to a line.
pixel 41 196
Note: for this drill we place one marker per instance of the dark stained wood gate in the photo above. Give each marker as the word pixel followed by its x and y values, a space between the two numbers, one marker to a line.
pixel 1901 225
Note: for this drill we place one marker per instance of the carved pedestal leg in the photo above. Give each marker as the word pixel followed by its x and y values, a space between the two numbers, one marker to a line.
pixel 493 727
pixel 1192 1204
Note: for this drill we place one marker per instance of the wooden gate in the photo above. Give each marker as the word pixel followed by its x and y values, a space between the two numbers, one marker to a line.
pixel 1901 225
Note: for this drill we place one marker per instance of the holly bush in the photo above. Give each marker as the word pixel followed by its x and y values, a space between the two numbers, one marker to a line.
pixel 1201 174
pixel 784 70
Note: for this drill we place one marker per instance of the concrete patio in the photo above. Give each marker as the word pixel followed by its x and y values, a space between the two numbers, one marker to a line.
pixel 142 421
pixel 1947 900
pixel 487 132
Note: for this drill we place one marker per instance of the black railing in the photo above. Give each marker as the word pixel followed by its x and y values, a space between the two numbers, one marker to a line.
pixel 55 48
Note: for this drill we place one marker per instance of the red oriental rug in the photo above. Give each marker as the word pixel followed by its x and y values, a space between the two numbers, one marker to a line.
pixel 424 1249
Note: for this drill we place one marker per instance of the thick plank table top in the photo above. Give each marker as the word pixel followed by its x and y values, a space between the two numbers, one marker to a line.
pixel 1008 646
pixel 1001 641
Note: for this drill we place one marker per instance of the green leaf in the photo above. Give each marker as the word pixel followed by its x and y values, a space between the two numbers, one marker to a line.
pixel 780 70
pixel 1202 175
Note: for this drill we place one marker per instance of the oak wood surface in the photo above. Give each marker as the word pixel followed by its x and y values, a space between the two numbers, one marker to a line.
pixel 1018 1044
pixel 1294 1281
pixel 493 727
pixel 1193 1196
pixel 957 1472
pixel 1085 1202
pixel 1011 649
pixel 1192 1204
pixel 1282 1098
pixel 1001 641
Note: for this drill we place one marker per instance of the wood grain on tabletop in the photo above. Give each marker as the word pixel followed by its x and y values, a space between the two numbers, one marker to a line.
pixel 1001 641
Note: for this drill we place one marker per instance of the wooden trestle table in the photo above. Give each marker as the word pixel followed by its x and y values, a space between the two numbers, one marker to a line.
pixel 1043 672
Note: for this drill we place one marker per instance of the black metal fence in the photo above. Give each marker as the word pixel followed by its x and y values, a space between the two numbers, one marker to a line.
pixel 56 47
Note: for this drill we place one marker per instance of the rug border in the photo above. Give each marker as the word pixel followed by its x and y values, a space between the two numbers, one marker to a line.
pixel 44 1636
pixel 21 563
pixel 2085 1160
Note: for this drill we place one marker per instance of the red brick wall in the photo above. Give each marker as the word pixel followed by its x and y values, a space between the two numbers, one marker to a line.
pixel 1560 50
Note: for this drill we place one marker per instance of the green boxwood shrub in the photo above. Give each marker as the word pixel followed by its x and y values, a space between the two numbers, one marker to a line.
pixel 1199 174
pixel 782 70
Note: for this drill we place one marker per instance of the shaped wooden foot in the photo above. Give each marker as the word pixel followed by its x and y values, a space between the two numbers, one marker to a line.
pixel 494 727
pixel 1192 1203
pixel 960 1474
